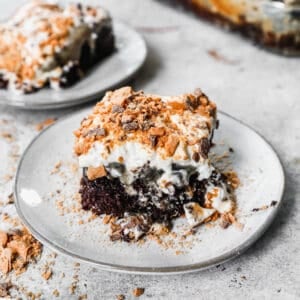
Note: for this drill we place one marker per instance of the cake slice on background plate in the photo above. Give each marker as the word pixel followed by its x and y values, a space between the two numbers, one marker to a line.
pixel 45 44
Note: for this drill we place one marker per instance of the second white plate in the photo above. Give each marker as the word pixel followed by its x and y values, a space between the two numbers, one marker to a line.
pixel 47 203
pixel 110 72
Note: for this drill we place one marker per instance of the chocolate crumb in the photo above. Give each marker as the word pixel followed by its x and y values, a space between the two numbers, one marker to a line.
pixel 131 126
pixel 11 199
pixel 230 150
pixel 122 137
pixel 96 132
pixel 192 104
pixel 196 156
pixel 264 207
pixel 137 292
pixel 146 125
pixel 273 203
pixel 204 146
pixel 153 140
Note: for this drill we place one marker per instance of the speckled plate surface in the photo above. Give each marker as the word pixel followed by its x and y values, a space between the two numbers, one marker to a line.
pixel 47 182
pixel 110 72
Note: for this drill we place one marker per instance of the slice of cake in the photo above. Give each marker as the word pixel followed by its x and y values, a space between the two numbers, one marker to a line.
pixel 45 44
pixel 145 161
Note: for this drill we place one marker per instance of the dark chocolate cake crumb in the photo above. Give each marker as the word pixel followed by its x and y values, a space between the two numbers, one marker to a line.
pixel 255 209
pixel 96 132
pixel 196 157
pixel 192 104
pixel 131 126
pixel 204 147
pixel 154 140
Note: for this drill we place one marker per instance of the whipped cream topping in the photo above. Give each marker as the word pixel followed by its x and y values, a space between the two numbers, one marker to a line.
pixel 42 40
pixel 136 155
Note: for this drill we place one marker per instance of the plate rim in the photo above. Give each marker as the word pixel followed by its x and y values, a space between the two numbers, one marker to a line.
pixel 228 255
pixel 88 98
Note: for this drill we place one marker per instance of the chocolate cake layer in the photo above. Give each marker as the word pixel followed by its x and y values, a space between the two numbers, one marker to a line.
pixel 108 195
pixel 104 46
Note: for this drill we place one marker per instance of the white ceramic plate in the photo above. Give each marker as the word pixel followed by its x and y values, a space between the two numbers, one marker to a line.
pixel 110 72
pixel 262 181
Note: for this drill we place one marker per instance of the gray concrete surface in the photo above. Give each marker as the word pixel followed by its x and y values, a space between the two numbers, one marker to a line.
pixel 258 87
